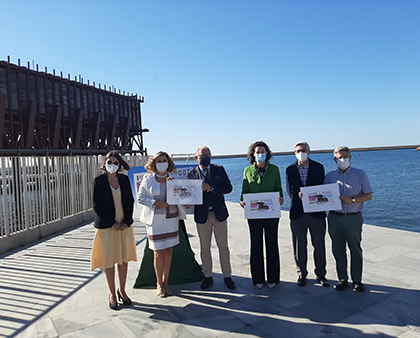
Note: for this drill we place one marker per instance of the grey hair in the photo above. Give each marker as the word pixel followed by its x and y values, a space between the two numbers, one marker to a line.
pixel 341 148
pixel 303 143
pixel 202 147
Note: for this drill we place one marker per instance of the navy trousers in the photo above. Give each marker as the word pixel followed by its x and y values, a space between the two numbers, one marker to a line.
pixel 259 230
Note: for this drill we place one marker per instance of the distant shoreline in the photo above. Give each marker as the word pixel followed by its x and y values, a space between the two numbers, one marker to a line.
pixel 181 157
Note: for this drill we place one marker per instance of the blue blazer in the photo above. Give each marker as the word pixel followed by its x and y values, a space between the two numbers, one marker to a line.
pixel 316 175
pixel 219 180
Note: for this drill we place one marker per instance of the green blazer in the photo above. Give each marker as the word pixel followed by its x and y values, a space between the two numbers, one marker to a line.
pixel 270 182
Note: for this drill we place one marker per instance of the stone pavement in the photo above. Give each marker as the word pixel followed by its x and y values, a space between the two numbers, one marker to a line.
pixel 48 290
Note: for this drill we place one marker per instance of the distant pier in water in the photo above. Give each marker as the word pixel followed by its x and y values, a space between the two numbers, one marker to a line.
pixel 183 157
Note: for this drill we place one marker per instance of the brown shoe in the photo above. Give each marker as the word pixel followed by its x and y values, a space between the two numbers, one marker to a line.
pixel 161 291
pixel 168 291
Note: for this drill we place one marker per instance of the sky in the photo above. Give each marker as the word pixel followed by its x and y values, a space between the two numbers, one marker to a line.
pixel 228 73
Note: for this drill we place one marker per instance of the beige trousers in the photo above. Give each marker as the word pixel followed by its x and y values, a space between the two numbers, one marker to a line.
pixel 221 235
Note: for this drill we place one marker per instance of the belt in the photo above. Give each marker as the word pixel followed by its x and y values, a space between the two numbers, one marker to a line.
pixel 344 214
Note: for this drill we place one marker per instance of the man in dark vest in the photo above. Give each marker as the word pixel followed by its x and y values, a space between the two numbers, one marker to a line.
pixel 306 172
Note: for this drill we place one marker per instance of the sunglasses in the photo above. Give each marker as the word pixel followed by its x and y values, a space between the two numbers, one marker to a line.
pixel 110 162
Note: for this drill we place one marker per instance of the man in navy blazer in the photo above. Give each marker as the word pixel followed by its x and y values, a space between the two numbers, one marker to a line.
pixel 305 172
pixel 211 216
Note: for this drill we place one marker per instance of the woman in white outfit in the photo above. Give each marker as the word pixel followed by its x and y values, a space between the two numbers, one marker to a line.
pixel 160 217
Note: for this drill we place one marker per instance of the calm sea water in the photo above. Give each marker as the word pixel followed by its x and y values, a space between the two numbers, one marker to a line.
pixel 393 174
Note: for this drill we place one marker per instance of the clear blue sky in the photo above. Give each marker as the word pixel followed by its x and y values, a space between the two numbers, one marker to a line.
pixel 228 73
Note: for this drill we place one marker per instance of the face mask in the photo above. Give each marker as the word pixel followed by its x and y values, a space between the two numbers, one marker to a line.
pixel 111 168
pixel 343 163
pixel 162 166
pixel 302 157
pixel 260 158
pixel 205 161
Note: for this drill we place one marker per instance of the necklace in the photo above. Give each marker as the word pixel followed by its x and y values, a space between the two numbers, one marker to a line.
pixel 161 176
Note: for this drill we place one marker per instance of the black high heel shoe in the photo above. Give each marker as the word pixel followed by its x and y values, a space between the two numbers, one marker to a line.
pixel 124 301
pixel 113 306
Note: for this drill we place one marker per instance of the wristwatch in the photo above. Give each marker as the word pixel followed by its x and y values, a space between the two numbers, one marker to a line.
pixel 353 200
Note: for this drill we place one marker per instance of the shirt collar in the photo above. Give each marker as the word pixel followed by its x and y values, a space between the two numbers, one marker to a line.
pixel 267 164
pixel 203 169
pixel 346 172
pixel 304 167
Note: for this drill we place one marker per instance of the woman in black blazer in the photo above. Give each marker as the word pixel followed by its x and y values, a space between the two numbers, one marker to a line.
pixel 114 241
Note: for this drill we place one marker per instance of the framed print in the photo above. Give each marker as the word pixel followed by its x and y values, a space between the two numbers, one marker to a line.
pixel 323 197
pixel 135 174
pixel 262 205
pixel 184 192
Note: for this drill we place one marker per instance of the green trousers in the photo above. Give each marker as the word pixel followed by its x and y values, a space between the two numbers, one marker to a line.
pixel 347 231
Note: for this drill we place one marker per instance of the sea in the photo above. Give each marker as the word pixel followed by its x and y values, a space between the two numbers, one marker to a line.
pixel 394 176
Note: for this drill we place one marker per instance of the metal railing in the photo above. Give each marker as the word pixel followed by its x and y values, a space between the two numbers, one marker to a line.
pixel 38 190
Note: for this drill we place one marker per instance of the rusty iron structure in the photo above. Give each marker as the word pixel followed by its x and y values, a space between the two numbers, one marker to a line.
pixel 45 114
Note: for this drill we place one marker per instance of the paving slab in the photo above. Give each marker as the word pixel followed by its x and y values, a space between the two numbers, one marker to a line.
pixel 48 290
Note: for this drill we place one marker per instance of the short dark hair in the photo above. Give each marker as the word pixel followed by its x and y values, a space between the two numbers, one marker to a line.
pixel 251 151
pixel 121 161
pixel 151 165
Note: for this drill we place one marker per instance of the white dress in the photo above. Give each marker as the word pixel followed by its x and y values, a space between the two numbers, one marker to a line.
pixel 162 233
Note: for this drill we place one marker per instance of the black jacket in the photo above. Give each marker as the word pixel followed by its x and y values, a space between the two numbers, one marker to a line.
pixel 316 176
pixel 219 180
pixel 103 202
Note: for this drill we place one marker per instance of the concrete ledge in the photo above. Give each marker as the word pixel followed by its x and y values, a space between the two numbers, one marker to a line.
pixel 26 237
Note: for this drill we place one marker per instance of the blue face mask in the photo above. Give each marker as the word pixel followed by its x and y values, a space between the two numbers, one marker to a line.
pixel 260 158
pixel 205 161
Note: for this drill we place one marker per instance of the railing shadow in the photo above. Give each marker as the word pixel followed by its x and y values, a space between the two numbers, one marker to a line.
pixel 261 313
pixel 36 279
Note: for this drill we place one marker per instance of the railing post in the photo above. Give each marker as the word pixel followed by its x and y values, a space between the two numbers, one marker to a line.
pixel 42 163
pixel 4 208
pixel 23 191
pixel 58 188
pixel 72 192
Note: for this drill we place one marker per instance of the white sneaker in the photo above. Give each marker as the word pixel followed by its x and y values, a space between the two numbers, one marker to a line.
pixel 259 285
pixel 271 285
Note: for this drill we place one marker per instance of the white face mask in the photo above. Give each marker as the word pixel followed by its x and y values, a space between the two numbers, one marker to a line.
pixel 302 157
pixel 162 166
pixel 343 163
pixel 111 168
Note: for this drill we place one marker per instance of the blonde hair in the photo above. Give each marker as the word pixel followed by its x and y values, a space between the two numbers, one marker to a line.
pixel 151 165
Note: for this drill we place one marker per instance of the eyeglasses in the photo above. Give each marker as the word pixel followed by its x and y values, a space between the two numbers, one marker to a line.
pixel 110 162
pixel 300 151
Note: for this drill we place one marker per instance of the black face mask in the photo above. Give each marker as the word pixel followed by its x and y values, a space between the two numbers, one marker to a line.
pixel 205 161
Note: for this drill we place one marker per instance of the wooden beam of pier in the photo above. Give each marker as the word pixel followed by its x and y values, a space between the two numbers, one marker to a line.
pixel 41 112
